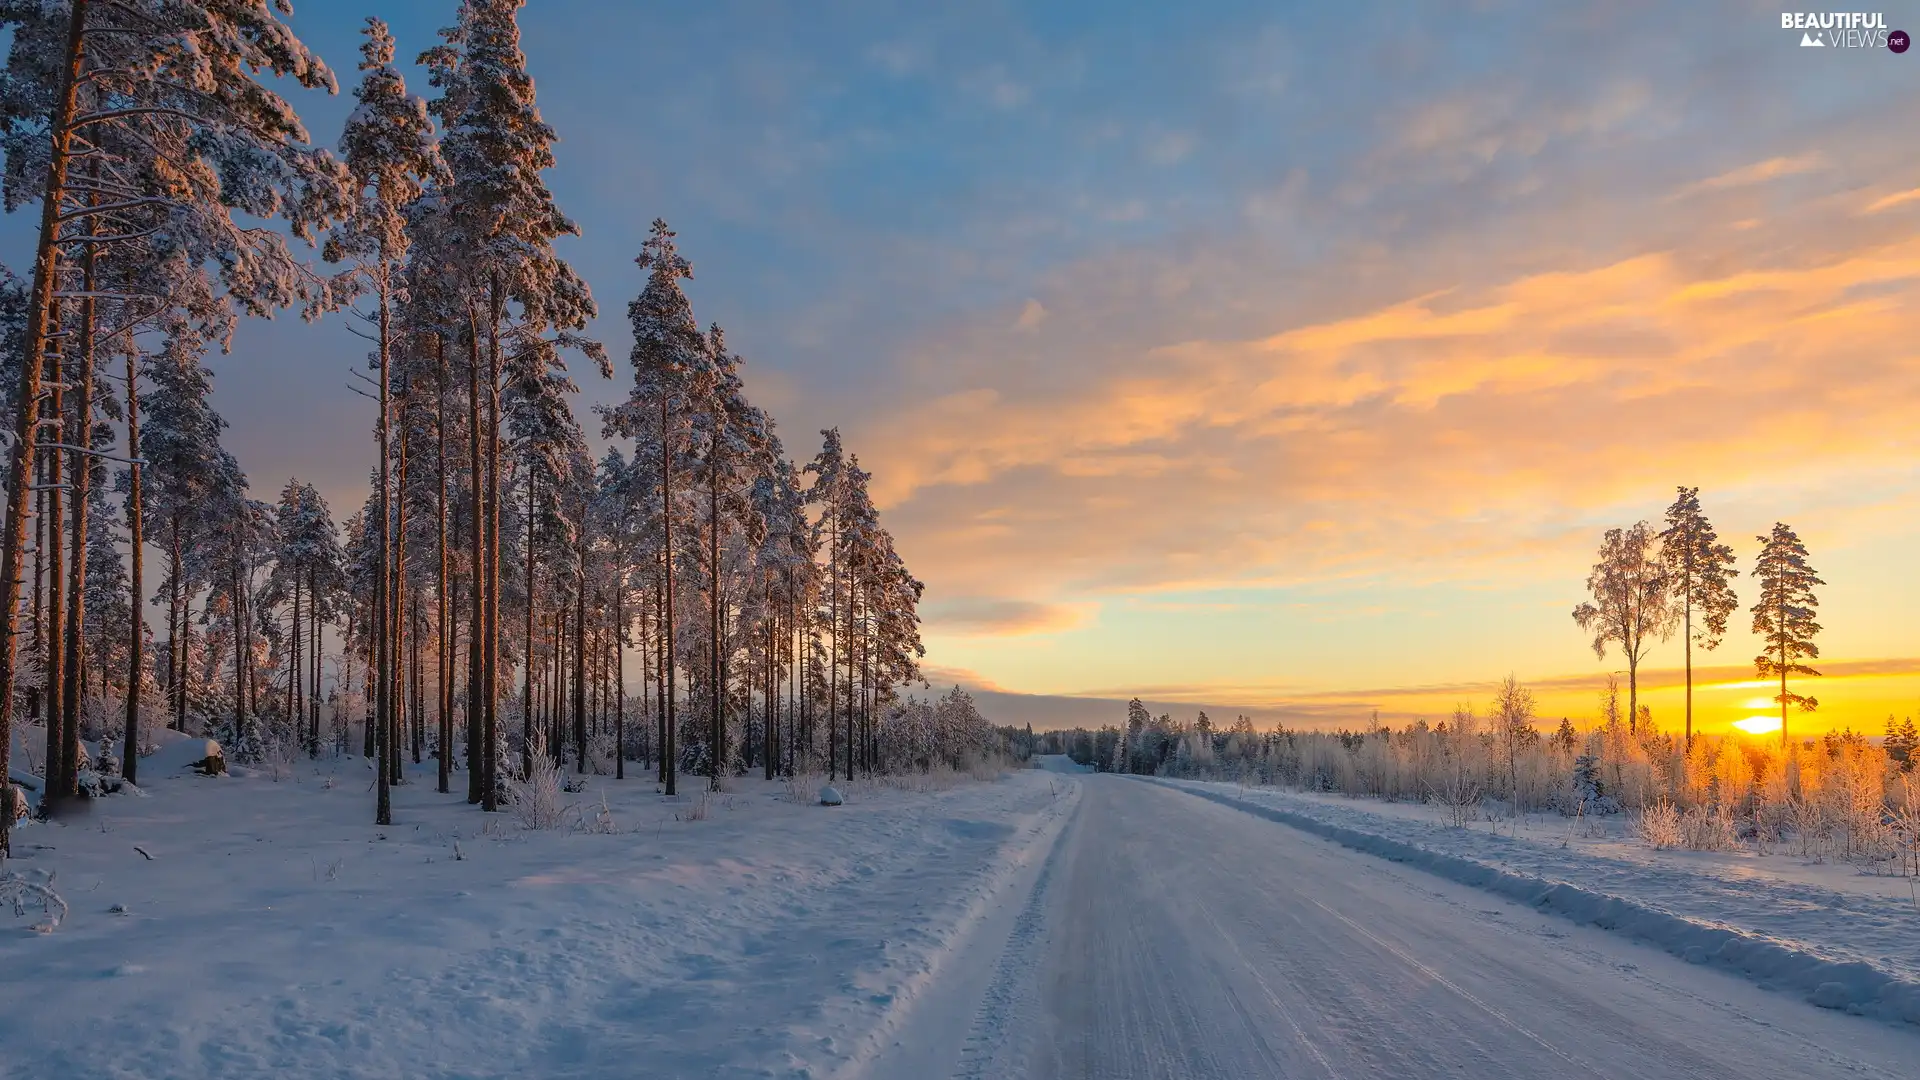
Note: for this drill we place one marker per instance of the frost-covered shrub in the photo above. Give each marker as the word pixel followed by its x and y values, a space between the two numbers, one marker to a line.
pixel 1708 828
pixel 600 749
pixel 20 891
pixel 1660 826
pixel 536 801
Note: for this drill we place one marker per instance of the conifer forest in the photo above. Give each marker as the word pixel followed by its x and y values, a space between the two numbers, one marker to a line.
pixel 697 600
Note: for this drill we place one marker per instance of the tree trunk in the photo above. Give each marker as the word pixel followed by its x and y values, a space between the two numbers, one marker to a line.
pixel 293 658
pixel 793 672
pixel 476 637
pixel 490 624
pixel 419 683
pixel 833 634
pixel 769 694
pixel 1782 640
pixel 136 641
pixel 443 659
pixel 176 626
pixel 580 667
pixel 382 600
pixel 1633 695
pixel 56 581
pixel 313 661
pixel 397 591
pixel 718 687
pixel 669 748
pixel 1686 595
pixel 237 610
pixel 619 675
pixel 35 694
pixel 27 421
pixel 526 721
pixel 659 640
pixel 80 475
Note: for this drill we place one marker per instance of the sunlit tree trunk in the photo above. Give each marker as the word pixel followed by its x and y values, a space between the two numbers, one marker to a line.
pixel 27 420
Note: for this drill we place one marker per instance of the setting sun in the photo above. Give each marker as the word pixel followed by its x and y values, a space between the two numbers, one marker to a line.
pixel 1758 725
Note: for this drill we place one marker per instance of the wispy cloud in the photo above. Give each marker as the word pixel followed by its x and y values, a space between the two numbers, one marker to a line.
pixel 1758 172
pixel 999 617
pixel 1888 202
pixel 1032 314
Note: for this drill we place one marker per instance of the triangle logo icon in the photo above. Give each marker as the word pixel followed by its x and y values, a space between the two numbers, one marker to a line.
pixel 1808 41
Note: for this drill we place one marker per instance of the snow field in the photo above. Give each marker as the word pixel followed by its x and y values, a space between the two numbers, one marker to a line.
pixel 275 931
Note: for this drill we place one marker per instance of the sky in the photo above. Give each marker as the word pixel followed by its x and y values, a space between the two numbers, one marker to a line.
pixel 1286 359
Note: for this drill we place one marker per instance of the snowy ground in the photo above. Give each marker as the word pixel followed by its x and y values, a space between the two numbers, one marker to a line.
pixel 276 932
pixel 1175 937
pixel 1050 924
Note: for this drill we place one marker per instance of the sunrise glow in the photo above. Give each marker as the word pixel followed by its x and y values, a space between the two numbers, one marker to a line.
pixel 1758 725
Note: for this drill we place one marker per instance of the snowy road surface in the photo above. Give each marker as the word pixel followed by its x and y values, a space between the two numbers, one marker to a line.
pixel 1173 937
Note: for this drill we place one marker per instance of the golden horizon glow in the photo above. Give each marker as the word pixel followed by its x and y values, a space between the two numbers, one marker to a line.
pixel 1758 725
pixel 1354 446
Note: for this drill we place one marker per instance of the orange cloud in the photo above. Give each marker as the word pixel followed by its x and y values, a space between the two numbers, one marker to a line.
pixel 969 616
pixel 1888 202
pixel 1478 423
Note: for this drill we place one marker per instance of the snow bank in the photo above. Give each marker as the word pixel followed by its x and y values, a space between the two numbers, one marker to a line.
pixel 767 939
pixel 1857 986
pixel 178 755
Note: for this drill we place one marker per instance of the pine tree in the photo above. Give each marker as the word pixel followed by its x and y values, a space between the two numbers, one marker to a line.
pixel 668 352
pixel 1632 603
pixel 1901 743
pixel 1699 569
pixel 308 572
pixel 828 492
pixel 388 147
pixel 523 301
pixel 1783 617
pixel 185 467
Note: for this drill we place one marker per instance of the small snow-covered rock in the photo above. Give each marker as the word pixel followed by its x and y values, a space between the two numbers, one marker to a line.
pixel 830 796
pixel 1832 995
pixel 201 755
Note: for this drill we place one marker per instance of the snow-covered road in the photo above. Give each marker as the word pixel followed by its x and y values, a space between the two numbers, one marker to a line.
pixel 1169 936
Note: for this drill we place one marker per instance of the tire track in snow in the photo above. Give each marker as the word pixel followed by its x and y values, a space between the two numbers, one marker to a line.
pixel 952 964
pixel 1015 988
pixel 1414 962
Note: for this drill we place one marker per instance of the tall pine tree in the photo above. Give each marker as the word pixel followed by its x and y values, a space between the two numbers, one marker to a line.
pixel 668 354
pixel 1783 617
pixel 523 301
pixel 388 147
pixel 1699 570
